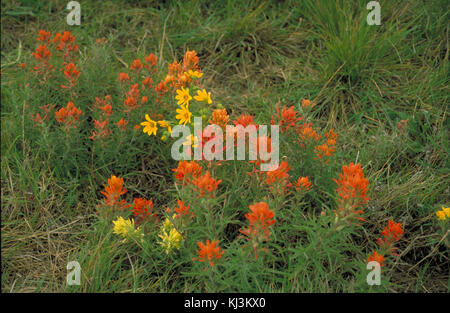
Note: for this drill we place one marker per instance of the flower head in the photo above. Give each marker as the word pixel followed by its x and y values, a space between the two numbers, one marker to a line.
pixel 377 258
pixel 171 238
pixel 209 252
pixel 203 96
pixel 187 171
pixel 303 183
pixel 184 115
pixel 183 96
pixel 126 228
pixel 206 184
pixel 113 191
pixel 150 126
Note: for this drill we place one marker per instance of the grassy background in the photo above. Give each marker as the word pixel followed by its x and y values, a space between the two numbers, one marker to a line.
pixel 364 79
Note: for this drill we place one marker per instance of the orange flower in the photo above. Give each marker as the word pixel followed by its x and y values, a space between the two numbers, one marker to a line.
pixel 303 183
pixel 187 170
pixel 209 252
pixel 391 234
pixel 143 209
pixel 260 218
pixel 376 257
pixel 244 120
pixel 123 77
pixel 106 109
pixel 220 118
pixel 113 191
pixel 136 65
pixel 147 82
pixel 190 61
pixel 122 124
pixel 306 132
pixel 305 103
pixel 206 183
pixel 42 53
pixel 144 99
pixel 151 59
pixel 352 185
pixel 68 115
pixel 43 36
pixel 279 176
pixel 287 118
pixel 182 209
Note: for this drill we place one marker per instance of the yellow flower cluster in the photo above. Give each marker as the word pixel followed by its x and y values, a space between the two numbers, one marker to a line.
pixel 126 228
pixel 170 237
pixel 443 214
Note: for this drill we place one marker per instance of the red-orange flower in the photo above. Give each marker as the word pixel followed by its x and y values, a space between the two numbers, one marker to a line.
pixel 42 53
pixel 113 191
pixel 209 252
pixel 190 61
pixel 122 124
pixel 220 117
pixel 352 185
pixel 68 115
pixel 143 209
pixel 287 118
pixel 206 183
pixel 376 257
pixel 303 183
pixel 136 65
pixel 244 120
pixel 187 170
pixel 260 218
pixel 151 59
pixel 391 234
pixel 43 36
pixel 147 82
pixel 182 209
pixel 123 77
pixel 279 176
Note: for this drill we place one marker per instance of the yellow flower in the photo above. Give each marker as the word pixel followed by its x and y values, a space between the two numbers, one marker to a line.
pixel 191 141
pixel 440 215
pixel 183 115
pixel 171 238
pixel 150 127
pixel 183 96
pixel 446 211
pixel 203 96
pixel 123 227
pixel 195 74
pixel 165 124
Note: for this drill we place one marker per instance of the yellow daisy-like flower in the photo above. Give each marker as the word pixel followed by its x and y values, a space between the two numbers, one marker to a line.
pixel 183 96
pixel 195 74
pixel 165 124
pixel 150 126
pixel 183 115
pixel 203 96
pixel 440 215
pixel 446 211
pixel 191 141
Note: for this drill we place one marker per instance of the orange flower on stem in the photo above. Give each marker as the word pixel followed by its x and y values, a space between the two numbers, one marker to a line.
pixel 287 118
pixel 352 191
pixel 187 171
pixel 260 218
pixel 122 124
pixel 279 178
pixel 391 234
pixel 183 210
pixel 303 183
pixel 123 77
pixel 143 210
pixel 113 191
pixel 68 115
pixel 376 257
pixel 210 252
pixel 206 184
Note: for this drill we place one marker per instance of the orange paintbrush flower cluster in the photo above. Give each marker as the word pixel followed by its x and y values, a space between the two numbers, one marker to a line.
pixel 278 179
pixel 209 252
pixel 63 45
pixel 190 173
pixel 72 74
pixel 352 191
pixel 391 234
pixel 260 219
pixel 303 183
pixel 143 210
pixel 113 192
pixel 68 116
pixel 287 119
pixel 220 117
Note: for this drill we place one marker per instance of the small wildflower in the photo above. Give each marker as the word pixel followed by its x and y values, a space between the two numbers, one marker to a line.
pixel 183 96
pixel 150 126
pixel 209 252
pixel 203 96
pixel 184 115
